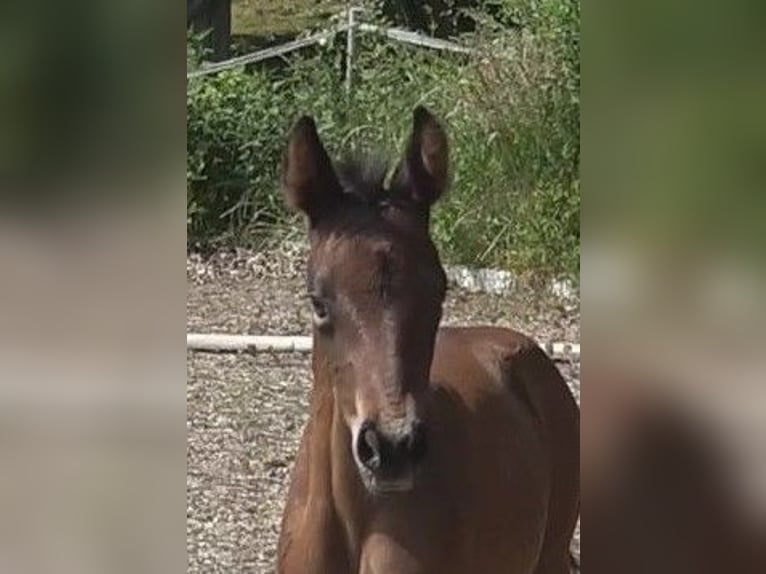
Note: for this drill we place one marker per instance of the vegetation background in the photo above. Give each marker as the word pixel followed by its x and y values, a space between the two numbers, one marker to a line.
pixel 512 111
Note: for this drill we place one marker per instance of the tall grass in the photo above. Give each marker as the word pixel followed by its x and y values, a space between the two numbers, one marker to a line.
pixel 512 113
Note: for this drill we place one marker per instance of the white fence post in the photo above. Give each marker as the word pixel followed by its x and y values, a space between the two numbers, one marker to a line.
pixel 350 30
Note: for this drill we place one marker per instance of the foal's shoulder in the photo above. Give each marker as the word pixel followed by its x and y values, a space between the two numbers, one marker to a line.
pixel 493 359
pixel 493 355
pixel 494 343
pixel 485 355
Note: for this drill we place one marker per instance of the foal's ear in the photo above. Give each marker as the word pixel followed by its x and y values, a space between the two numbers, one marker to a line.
pixel 308 177
pixel 423 173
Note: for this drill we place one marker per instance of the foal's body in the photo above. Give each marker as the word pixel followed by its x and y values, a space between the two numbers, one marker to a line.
pixel 427 451
pixel 498 492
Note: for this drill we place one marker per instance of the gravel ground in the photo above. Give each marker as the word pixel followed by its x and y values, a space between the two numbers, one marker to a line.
pixel 245 413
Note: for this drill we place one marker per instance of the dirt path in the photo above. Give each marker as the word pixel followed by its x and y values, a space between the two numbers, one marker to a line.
pixel 245 413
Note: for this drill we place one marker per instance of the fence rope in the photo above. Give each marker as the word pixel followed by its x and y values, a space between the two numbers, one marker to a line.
pixel 415 38
pixel 239 61
pixel 396 34
pixel 230 343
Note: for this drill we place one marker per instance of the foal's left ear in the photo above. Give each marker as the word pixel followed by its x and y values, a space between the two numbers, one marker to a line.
pixel 308 177
pixel 423 173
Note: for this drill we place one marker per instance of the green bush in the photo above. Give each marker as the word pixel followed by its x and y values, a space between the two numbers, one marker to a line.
pixel 521 107
pixel 512 113
pixel 235 123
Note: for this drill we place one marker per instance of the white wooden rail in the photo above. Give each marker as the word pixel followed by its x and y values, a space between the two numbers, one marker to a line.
pixel 226 343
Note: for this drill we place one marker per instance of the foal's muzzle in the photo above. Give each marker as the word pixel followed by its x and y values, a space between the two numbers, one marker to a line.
pixel 390 457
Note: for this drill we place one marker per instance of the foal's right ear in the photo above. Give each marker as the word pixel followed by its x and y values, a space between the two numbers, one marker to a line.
pixel 423 172
pixel 308 177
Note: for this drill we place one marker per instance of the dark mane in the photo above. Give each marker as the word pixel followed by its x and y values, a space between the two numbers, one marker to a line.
pixel 364 178
pixel 367 187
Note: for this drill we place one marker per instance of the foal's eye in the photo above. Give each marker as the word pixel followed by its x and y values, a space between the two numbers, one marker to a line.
pixel 321 310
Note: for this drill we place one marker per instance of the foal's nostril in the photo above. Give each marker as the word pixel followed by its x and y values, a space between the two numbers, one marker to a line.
pixel 378 453
pixel 368 447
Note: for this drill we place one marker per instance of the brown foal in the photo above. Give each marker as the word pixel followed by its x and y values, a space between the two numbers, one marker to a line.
pixel 427 451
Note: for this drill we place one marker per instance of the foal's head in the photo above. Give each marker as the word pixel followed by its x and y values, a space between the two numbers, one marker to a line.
pixel 376 286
